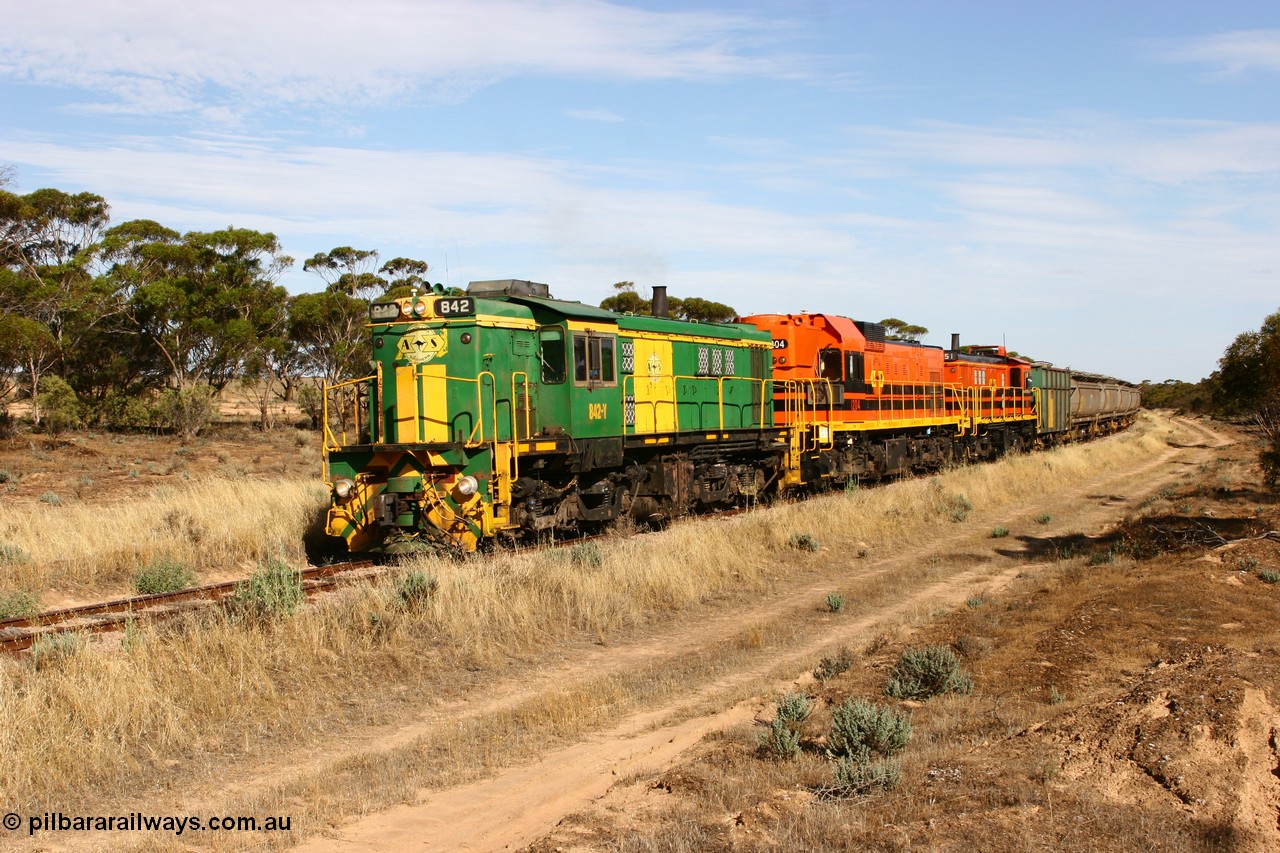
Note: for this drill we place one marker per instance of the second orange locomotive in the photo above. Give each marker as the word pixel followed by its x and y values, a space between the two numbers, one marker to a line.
pixel 860 405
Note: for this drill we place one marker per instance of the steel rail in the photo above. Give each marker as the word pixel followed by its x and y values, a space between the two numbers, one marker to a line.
pixel 20 633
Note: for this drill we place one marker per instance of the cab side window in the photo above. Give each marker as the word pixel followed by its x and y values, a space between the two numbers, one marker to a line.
pixel 606 360
pixel 830 364
pixel 551 341
pixel 594 359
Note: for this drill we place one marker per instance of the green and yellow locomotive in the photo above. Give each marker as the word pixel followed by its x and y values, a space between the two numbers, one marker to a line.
pixel 504 413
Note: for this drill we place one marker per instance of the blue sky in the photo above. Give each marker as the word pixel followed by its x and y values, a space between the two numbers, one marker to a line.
pixel 1095 183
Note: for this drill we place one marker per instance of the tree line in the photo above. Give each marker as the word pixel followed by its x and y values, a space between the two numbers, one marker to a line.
pixel 137 324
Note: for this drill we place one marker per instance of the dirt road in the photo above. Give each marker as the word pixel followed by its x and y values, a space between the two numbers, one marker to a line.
pixel 519 805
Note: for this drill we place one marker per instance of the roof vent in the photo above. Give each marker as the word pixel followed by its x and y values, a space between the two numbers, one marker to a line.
pixel 508 287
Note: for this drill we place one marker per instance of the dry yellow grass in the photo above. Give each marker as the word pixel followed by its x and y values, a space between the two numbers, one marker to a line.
pixel 212 524
pixel 216 686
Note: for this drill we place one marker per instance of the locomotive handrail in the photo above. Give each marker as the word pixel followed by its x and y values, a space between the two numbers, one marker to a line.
pixel 796 396
pixel 478 381
pixel 675 402
pixel 331 440
pixel 931 394
pixel 515 427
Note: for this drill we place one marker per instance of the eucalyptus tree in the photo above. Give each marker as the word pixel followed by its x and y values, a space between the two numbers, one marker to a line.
pixel 347 270
pixel 46 238
pixel 206 301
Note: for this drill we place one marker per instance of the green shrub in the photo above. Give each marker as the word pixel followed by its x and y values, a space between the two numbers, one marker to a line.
pixel 273 590
pixel 187 411
pixel 928 672
pixel 975 602
pixel 860 729
pixel 17 604
pixel 586 554
pixel 783 738
pixel 780 741
pixel 51 498
pixel 60 408
pixel 854 778
pixel 1044 518
pixel 6 476
pixel 1269 575
pixel 999 532
pixel 51 647
pixel 958 507
pixel 835 602
pixel 803 542
pixel 12 555
pixel 829 668
pixel 415 589
pixel 163 576
pixel 1248 564
pixel 794 707
pixel 126 411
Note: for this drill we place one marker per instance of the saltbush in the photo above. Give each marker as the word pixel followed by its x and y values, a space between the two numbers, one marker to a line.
pixel 18 603
pixel 12 555
pixel 273 590
pixel 928 672
pixel 854 778
pixel 803 542
pixel 782 740
pixel 163 576
pixel 861 729
pixel 51 647
pixel 415 589
pixel 829 668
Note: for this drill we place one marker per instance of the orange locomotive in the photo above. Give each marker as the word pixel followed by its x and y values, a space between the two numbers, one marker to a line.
pixel 861 406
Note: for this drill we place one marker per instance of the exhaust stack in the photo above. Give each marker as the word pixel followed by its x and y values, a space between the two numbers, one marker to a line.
pixel 659 308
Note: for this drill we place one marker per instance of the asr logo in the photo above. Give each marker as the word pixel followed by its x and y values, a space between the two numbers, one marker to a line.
pixel 421 344
pixel 655 367
pixel 597 411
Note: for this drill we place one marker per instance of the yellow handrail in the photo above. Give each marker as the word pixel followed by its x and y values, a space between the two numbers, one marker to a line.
pixel 331 441
pixel 675 402
pixel 515 427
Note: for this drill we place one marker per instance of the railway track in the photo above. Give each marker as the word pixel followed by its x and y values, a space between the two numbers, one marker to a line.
pixel 20 633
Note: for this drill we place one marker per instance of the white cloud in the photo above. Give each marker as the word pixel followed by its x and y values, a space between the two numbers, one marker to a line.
pixel 483 198
pixel 1060 233
pixel 1163 152
pixel 157 56
pixel 1231 54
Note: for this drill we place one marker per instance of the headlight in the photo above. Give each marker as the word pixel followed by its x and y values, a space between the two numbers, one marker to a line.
pixel 467 486
pixel 420 308
pixel 343 488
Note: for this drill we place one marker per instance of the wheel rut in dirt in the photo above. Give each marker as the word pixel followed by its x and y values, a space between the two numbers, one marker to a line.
pixel 516 806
